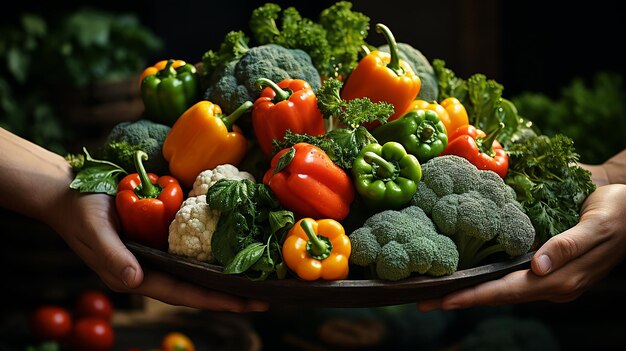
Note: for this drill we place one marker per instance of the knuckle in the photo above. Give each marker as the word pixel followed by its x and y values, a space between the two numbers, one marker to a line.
pixel 566 246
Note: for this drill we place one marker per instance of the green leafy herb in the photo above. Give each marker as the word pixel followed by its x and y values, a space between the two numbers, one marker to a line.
pixel 295 32
pixel 548 182
pixel 250 229
pixel 234 46
pixel 333 43
pixel 346 31
pixel 97 176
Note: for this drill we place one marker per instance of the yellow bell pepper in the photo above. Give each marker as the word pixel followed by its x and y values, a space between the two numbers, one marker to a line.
pixel 317 249
pixel 456 112
pixel 202 138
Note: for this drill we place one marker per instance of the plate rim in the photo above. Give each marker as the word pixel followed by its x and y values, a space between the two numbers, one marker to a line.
pixel 410 289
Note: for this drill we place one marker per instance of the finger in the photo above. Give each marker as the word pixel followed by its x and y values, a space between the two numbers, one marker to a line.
pixel 565 247
pixel 175 292
pixel 95 239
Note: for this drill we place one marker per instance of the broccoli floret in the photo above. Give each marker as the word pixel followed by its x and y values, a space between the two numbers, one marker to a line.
pixel 234 83
pixel 127 137
pixel 475 208
pixel 399 243
pixel 459 176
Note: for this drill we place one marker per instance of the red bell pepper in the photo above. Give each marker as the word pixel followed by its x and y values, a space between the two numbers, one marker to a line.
pixel 483 151
pixel 146 205
pixel 306 181
pixel 289 105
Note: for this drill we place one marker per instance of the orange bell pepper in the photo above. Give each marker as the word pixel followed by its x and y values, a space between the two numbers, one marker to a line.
pixel 451 112
pixel 382 76
pixel 202 138
pixel 317 249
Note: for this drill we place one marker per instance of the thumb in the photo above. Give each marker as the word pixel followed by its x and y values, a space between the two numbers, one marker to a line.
pixel 122 268
pixel 562 248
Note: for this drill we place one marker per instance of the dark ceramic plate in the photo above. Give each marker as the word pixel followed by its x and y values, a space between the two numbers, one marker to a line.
pixel 339 293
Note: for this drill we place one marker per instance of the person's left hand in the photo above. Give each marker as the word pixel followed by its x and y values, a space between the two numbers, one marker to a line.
pixel 90 227
pixel 565 266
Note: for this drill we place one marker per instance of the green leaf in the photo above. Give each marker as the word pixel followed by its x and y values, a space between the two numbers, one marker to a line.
pixel 245 259
pixel 97 176
pixel 229 194
pixel 285 160
pixel 18 63
pixel 34 25
pixel 280 220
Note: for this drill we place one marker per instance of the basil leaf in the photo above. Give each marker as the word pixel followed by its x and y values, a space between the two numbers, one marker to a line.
pixel 245 259
pixel 280 220
pixel 230 194
pixel 97 176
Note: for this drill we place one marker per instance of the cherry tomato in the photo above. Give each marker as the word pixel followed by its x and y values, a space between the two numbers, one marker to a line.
pixel 51 323
pixel 176 341
pixel 92 334
pixel 94 304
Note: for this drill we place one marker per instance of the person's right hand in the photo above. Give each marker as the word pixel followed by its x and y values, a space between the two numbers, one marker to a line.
pixel 565 266
pixel 89 226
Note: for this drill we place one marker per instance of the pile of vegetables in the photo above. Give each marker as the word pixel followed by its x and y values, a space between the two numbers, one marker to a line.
pixel 303 151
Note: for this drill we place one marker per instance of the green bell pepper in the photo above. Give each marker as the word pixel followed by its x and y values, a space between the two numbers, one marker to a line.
pixel 386 176
pixel 170 92
pixel 421 132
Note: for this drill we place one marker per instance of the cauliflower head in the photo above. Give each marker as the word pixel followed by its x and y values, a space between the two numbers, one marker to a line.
pixel 207 178
pixel 192 229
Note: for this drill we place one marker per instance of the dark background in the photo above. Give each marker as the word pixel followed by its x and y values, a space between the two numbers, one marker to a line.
pixel 524 45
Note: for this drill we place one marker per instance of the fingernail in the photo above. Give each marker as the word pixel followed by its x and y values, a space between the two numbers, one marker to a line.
pixel 128 276
pixel 544 264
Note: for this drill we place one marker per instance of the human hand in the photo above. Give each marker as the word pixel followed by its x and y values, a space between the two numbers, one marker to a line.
pixel 90 227
pixel 565 266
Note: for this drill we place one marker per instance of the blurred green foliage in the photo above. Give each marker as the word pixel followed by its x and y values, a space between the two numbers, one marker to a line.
pixel 592 113
pixel 39 56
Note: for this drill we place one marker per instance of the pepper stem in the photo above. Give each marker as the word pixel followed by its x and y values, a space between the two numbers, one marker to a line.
pixel 486 145
pixel 232 118
pixel 394 62
pixel 317 247
pixel 426 133
pixel 384 169
pixel 281 94
pixel 146 189
pixel 168 71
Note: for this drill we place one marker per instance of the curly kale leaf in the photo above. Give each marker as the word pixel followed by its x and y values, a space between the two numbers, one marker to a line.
pixel 290 30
